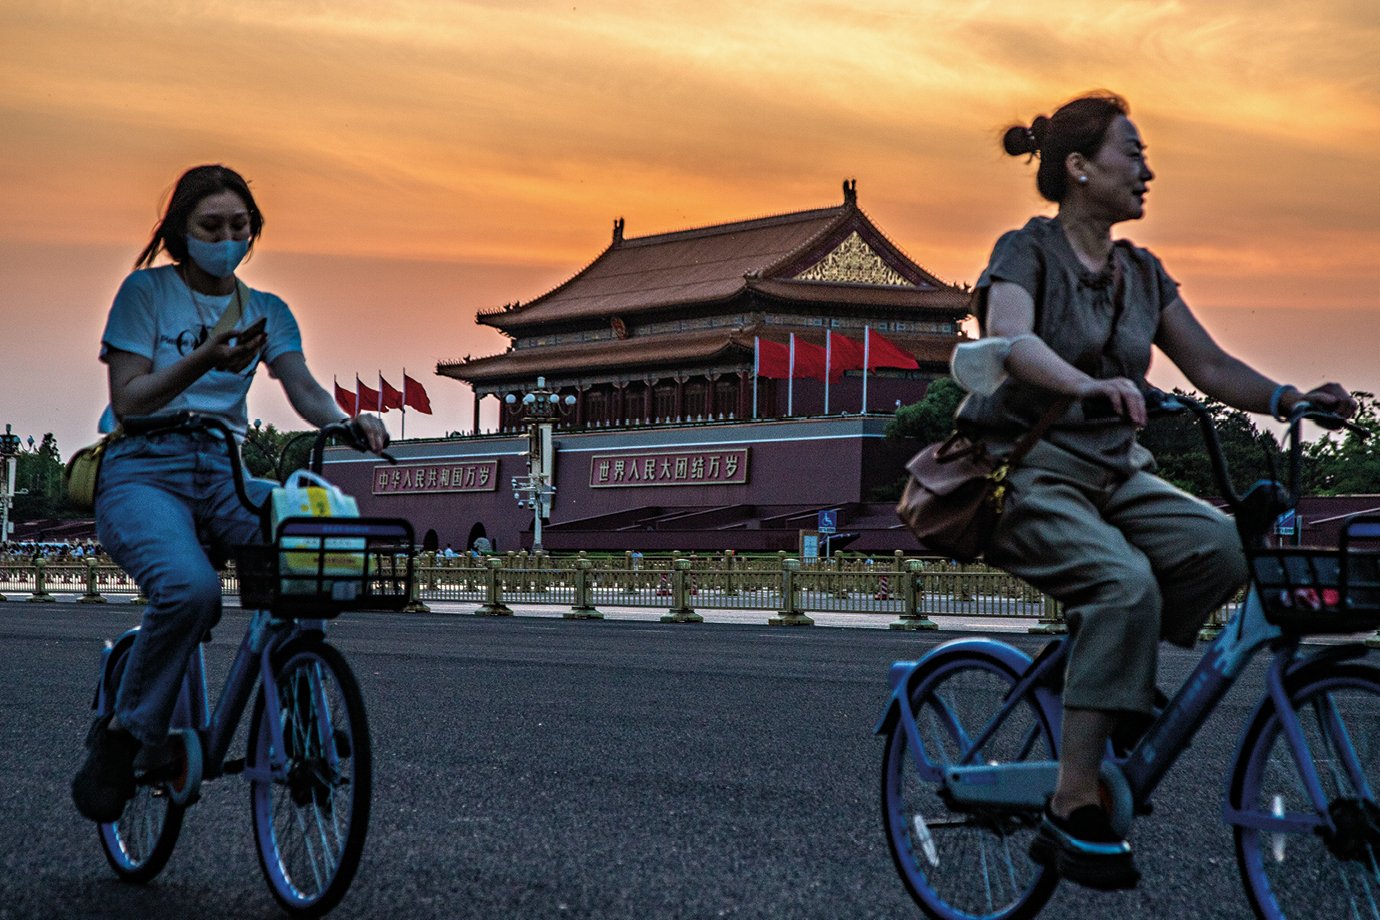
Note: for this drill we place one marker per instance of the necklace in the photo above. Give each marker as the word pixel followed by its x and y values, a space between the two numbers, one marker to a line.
pixel 232 312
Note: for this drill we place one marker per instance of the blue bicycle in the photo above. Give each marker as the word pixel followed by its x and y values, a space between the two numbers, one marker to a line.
pixel 972 732
pixel 308 757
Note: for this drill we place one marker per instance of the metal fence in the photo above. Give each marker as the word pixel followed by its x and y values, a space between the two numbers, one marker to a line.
pixel 912 590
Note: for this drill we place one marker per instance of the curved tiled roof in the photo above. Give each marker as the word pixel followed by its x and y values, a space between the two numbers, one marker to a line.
pixel 709 265
pixel 620 354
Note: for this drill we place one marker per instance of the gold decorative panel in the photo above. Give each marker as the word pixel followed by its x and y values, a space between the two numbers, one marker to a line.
pixel 854 261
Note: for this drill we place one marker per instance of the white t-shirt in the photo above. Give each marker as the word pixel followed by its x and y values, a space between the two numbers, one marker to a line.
pixel 157 316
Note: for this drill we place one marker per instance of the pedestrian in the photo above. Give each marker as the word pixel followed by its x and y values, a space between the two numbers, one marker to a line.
pixel 160 493
pixel 1131 558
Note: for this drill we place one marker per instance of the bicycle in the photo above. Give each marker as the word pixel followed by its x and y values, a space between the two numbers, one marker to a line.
pixel 972 732
pixel 308 755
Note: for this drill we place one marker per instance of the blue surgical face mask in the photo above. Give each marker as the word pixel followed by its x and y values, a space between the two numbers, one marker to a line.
pixel 218 259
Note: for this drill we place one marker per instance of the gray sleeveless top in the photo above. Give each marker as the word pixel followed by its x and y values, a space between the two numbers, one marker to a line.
pixel 1103 323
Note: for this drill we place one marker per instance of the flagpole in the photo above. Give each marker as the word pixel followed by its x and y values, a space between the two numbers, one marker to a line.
pixel 790 384
pixel 403 410
pixel 867 359
pixel 356 415
pixel 828 359
pixel 380 372
pixel 756 367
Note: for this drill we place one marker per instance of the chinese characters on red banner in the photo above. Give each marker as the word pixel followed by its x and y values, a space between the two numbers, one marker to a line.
pixel 669 468
pixel 481 476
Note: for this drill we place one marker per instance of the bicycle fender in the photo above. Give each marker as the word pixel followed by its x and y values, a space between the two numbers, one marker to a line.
pixel 1293 676
pixel 904 673
pixel 104 702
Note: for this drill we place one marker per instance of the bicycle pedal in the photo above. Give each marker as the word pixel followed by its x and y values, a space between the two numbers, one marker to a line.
pixel 231 767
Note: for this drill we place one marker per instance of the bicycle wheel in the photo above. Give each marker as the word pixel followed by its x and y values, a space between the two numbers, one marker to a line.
pixel 1295 869
pixel 975 863
pixel 311 818
pixel 139 844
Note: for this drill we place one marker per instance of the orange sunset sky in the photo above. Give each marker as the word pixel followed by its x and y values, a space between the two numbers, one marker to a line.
pixel 419 160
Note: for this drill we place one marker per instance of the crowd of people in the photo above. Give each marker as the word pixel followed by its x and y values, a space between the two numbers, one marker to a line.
pixel 61 550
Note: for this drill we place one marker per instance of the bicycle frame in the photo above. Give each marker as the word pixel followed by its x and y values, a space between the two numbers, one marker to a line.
pixel 1027 785
pixel 216 729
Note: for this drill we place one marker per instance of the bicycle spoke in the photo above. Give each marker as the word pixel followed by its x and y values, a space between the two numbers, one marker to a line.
pixel 964 864
pixel 1301 869
pixel 316 811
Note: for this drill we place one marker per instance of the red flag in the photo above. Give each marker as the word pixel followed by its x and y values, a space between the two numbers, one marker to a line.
pixel 414 395
pixel 847 355
pixel 392 398
pixel 368 399
pixel 345 400
pixel 773 360
pixel 809 360
pixel 882 353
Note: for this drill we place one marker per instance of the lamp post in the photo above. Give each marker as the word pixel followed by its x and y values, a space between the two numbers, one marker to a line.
pixel 9 453
pixel 541 407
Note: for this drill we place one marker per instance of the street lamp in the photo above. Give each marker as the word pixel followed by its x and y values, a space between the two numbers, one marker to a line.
pixel 9 453
pixel 541 407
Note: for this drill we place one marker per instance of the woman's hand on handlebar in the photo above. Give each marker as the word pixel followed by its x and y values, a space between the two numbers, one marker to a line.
pixel 1120 394
pixel 370 428
pixel 1330 397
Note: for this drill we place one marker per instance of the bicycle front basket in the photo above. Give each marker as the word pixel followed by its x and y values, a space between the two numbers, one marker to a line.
pixel 318 567
pixel 1309 591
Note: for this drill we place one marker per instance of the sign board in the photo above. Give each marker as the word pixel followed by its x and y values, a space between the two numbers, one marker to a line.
pixel 809 545
pixel 828 521
pixel 411 479
pixel 1287 523
pixel 669 468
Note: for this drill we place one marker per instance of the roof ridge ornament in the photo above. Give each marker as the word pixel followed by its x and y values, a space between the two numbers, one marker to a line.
pixel 850 193
pixel 617 230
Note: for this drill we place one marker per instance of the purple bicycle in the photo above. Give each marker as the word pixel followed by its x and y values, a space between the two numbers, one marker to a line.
pixel 972 730
pixel 307 756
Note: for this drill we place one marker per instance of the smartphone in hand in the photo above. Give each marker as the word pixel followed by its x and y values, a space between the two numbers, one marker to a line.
pixel 249 332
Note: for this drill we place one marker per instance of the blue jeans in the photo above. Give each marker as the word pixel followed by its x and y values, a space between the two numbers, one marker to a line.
pixel 160 498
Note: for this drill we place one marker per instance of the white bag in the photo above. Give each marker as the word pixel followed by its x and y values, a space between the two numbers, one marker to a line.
pixel 306 494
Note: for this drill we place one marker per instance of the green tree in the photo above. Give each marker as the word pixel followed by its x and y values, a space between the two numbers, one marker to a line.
pixel 932 418
pixel 38 472
pixel 1177 443
pixel 929 420
pixel 264 451
pixel 1346 463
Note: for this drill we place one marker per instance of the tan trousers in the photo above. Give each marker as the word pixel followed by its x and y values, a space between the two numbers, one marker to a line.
pixel 1133 560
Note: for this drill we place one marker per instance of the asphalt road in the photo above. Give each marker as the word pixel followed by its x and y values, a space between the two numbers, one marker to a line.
pixel 547 768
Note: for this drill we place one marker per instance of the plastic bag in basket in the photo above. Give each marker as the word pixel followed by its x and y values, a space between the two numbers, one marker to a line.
pixel 306 494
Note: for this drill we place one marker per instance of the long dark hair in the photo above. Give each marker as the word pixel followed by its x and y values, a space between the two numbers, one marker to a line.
pixel 1079 126
pixel 170 234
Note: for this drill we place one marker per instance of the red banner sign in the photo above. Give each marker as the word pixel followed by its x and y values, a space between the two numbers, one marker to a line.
pixel 669 468
pixel 481 476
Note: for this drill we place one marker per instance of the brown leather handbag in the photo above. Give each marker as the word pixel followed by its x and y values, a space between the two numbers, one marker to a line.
pixel 954 496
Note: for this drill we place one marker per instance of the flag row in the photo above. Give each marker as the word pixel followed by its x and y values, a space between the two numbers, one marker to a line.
pixel 839 353
pixel 367 399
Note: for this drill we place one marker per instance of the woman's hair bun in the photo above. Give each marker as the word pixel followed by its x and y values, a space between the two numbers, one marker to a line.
pixel 1020 140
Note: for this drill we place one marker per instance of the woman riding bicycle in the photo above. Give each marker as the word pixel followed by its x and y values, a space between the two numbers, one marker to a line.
pixel 1131 558
pixel 163 495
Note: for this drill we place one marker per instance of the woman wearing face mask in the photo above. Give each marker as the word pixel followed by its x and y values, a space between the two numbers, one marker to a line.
pixel 161 495
pixel 1132 558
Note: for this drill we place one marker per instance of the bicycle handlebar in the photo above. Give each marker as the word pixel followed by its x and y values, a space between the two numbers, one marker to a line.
pixel 1266 500
pixel 187 420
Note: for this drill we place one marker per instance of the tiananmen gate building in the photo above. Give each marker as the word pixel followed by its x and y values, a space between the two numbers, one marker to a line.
pixel 668 418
